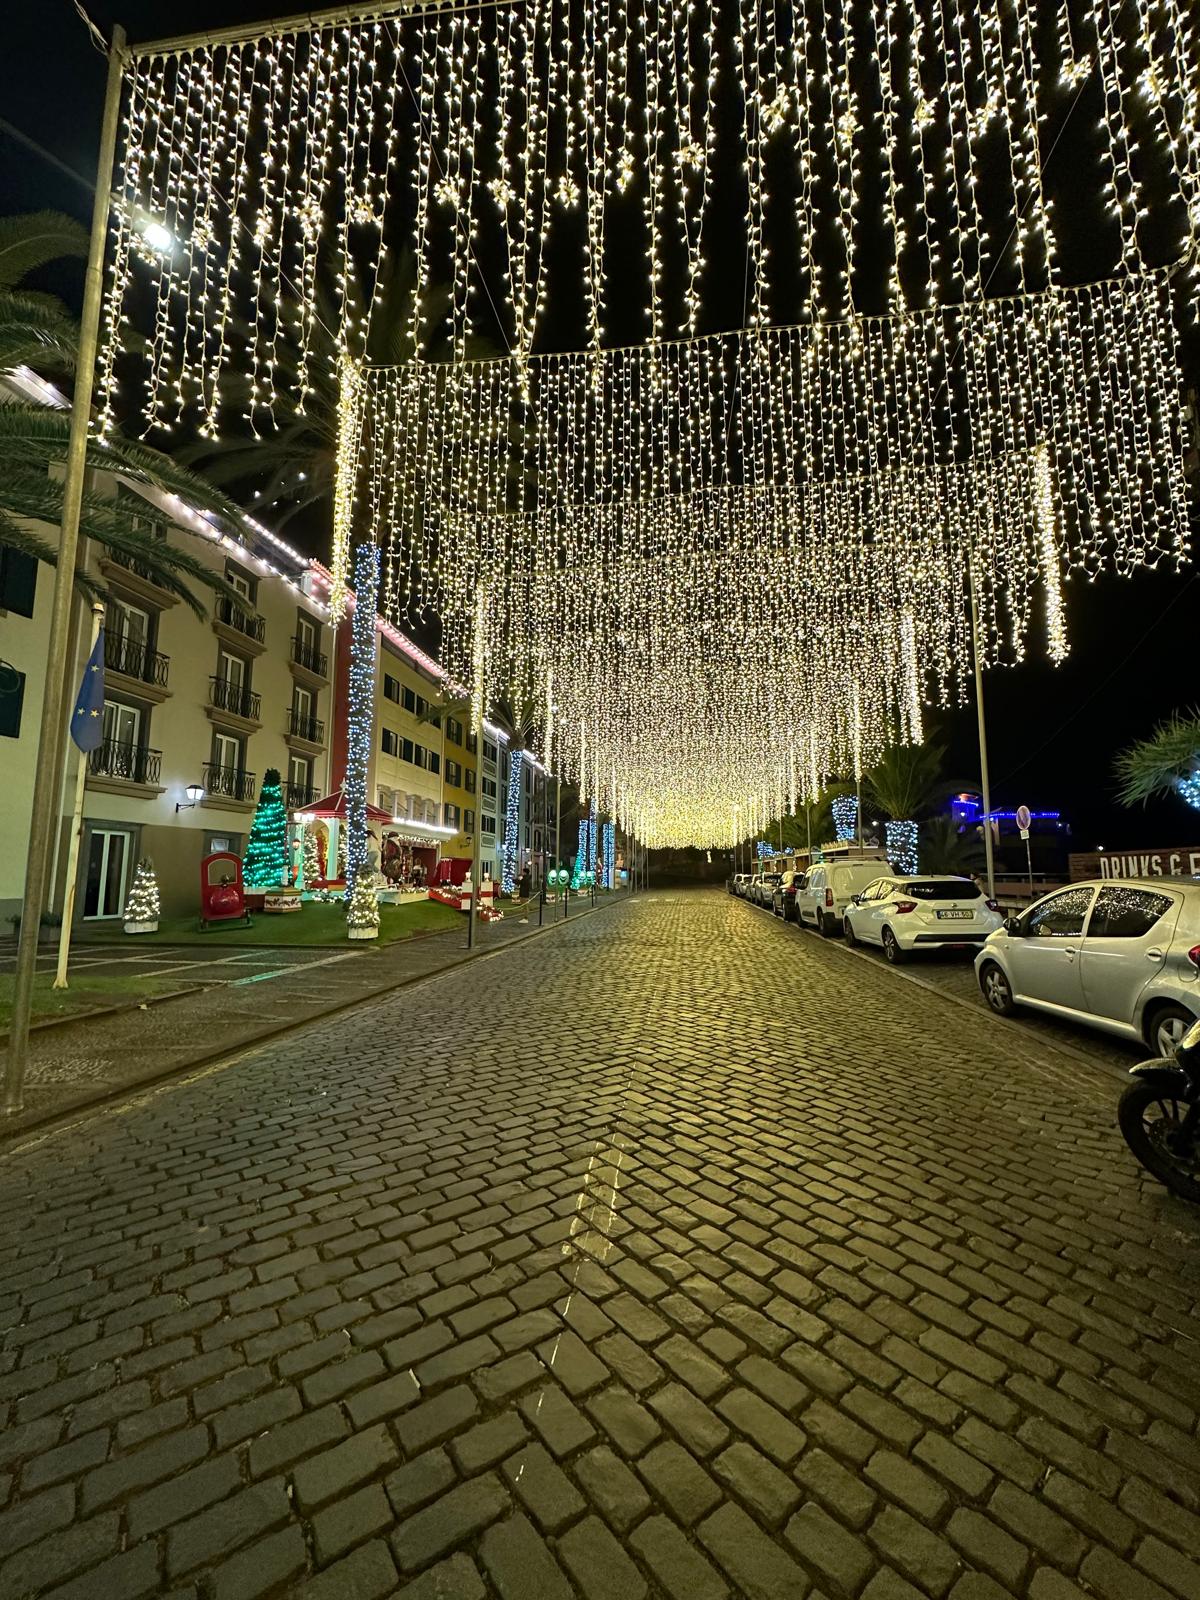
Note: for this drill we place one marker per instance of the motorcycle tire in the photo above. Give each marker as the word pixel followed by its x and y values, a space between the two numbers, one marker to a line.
pixel 1130 1117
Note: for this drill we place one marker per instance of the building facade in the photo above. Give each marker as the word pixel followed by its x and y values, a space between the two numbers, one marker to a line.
pixel 206 704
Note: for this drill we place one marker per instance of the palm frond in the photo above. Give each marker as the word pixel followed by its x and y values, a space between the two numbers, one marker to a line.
pixel 35 330
pixel 31 240
pixel 18 537
pixel 902 782
pixel 1155 767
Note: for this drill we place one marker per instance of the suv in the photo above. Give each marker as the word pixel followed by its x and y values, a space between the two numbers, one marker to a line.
pixel 829 888
pixel 763 888
pixel 783 900
pixel 1122 956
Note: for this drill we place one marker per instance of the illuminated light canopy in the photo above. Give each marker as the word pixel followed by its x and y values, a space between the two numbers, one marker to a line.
pixel 945 401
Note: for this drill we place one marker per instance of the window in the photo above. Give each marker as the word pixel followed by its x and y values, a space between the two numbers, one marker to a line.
pixel 241 580
pixel 1060 917
pixel 18 581
pixel 406 749
pixel 227 752
pixel 488 824
pixel 389 742
pixel 12 698
pixel 469 780
pixel 410 699
pixel 454 730
pixel 452 816
pixel 108 854
pixel 435 762
pixel 468 822
pixel 122 724
pixel 489 750
pixel 391 688
pixel 420 756
pixel 943 889
pixel 430 809
pixel 308 632
pixel 299 774
pixel 422 705
pixel 489 788
pixel 1126 913
pixel 399 804
pixel 453 774
pixel 472 743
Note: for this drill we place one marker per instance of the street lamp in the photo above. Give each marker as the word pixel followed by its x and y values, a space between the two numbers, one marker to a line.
pixel 195 793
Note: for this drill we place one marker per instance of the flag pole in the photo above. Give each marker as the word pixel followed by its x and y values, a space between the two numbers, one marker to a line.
pixel 68 912
pixel 54 702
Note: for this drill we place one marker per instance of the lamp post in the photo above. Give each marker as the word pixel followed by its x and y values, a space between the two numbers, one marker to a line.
pixel 44 808
pixel 983 751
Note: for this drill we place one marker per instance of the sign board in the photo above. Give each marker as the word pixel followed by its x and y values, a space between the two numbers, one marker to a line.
pixel 1180 861
pixel 1024 818
pixel 1024 833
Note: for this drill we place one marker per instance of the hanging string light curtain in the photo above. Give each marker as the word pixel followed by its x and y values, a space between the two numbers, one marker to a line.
pixel 732 565
pixel 875 156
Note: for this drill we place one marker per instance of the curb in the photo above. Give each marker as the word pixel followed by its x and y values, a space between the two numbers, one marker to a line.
pixel 110 1011
pixel 12 1136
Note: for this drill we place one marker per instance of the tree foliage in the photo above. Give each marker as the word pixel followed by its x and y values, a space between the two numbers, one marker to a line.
pixel 1157 766
pixel 947 852
pixel 904 781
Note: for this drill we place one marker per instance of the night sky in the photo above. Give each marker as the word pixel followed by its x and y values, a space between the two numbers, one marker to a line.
pixel 1053 733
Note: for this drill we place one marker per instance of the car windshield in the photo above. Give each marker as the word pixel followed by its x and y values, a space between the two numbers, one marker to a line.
pixel 943 889
pixel 772 877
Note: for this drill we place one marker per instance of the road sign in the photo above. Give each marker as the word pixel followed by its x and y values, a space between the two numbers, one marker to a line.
pixel 1024 818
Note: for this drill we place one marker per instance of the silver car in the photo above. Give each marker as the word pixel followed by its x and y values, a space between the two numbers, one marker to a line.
pixel 1122 956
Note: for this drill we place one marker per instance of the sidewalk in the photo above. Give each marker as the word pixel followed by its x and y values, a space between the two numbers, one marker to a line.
pixel 87 1060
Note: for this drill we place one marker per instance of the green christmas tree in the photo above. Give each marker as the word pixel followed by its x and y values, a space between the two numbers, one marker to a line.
pixel 266 860
pixel 142 906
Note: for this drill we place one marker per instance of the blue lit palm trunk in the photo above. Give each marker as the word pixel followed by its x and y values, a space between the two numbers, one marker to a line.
pixel 512 818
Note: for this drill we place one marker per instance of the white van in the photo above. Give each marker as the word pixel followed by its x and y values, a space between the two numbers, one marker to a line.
pixel 830 888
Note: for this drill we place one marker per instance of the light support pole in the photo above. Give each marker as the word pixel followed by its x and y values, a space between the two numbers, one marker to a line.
pixel 68 912
pixel 557 829
pixel 44 810
pixel 983 752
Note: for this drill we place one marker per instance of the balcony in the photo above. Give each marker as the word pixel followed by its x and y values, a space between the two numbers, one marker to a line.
pixel 303 729
pixel 119 767
pixel 227 785
pixel 232 705
pixel 244 629
pixel 299 796
pixel 307 662
pixel 144 670
pixel 135 578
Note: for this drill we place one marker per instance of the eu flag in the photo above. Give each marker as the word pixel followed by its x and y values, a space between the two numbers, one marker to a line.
pixel 87 719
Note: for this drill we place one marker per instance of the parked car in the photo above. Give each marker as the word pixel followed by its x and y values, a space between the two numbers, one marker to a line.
pixel 906 915
pixel 737 884
pixel 1123 957
pixel 829 888
pixel 783 898
pixel 764 888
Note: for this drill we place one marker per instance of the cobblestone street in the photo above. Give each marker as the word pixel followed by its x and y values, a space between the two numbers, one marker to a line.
pixel 669 1254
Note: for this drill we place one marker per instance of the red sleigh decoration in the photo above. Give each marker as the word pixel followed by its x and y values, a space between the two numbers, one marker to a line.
pixel 222 895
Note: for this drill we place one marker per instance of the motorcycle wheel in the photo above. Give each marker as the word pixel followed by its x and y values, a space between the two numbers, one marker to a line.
pixel 1147 1116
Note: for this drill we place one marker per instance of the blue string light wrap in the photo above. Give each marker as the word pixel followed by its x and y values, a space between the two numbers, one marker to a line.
pixel 610 856
pixel 902 845
pixel 512 818
pixel 845 816
pixel 362 709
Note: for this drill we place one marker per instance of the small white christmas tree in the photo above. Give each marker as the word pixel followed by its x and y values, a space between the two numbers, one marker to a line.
pixel 362 914
pixel 142 906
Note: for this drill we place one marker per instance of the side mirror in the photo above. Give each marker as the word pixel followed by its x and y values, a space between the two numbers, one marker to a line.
pixel 1014 927
pixel 856 899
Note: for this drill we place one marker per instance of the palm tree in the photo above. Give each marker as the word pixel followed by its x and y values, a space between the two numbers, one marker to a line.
pixel 902 784
pixel 1168 762
pixel 946 851
pixel 37 331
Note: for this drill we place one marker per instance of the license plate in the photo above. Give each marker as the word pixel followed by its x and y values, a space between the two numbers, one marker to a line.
pixel 967 914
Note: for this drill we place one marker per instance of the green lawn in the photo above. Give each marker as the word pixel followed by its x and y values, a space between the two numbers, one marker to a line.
pixel 85 994
pixel 319 923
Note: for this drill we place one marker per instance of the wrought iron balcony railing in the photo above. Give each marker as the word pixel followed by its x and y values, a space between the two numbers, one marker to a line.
pixel 303 726
pixel 114 758
pixel 300 795
pixel 247 622
pixel 135 659
pixel 228 696
pixel 229 782
pixel 307 655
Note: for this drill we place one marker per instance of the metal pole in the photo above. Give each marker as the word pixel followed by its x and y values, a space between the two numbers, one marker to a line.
pixel 68 913
pixel 983 757
pixel 44 810
pixel 542 868
pixel 557 823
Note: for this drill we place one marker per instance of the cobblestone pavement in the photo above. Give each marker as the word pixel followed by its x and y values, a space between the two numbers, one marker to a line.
pixel 670 1256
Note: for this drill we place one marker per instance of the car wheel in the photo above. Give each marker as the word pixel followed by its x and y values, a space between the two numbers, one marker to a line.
pixel 997 990
pixel 1168 1024
pixel 891 948
pixel 849 932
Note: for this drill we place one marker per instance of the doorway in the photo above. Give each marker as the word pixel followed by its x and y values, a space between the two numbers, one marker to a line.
pixel 109 852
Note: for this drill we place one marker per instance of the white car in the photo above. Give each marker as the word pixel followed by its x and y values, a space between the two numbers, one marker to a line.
pixel 1124 957
pixel 831 886
pixel 907 915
